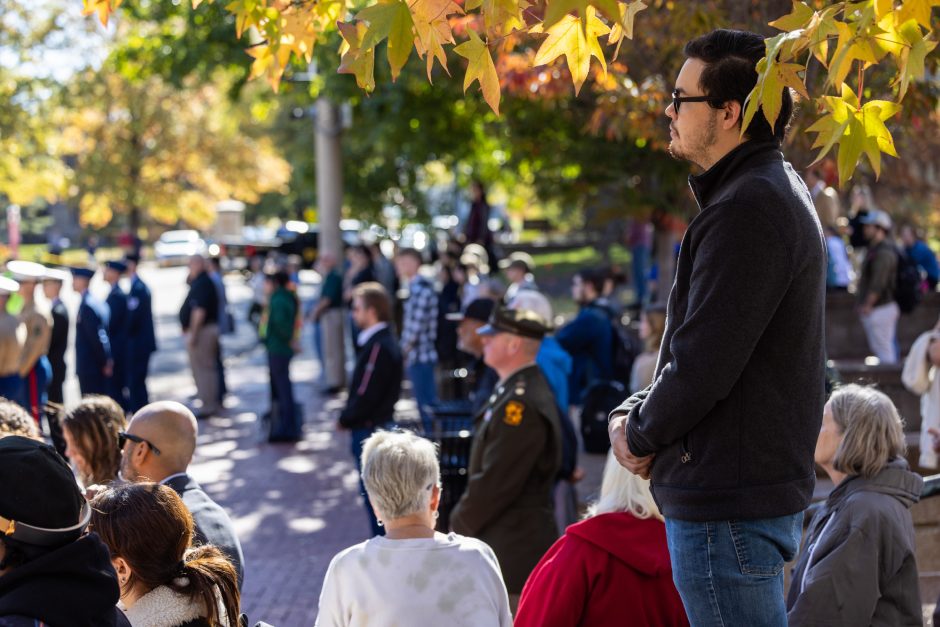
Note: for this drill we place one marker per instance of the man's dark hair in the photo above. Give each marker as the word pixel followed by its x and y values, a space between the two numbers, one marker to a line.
pixel 730 73
pixel 411 252
pixel 592 277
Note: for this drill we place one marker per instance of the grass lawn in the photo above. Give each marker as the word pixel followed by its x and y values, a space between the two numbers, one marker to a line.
pixel 70 257
pixel 554 270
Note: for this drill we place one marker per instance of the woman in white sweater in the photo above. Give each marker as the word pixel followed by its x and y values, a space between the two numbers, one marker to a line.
pixel 413 575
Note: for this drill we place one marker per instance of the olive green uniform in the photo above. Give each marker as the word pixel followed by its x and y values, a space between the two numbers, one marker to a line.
pixel 514 459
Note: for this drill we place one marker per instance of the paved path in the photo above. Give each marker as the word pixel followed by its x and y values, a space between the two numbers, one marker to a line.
pixel 294 506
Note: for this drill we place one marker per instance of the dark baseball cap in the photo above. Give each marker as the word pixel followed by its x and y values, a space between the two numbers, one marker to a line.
pixel 120 266
pixel 40 503
pixel 522 322
pixel 480 309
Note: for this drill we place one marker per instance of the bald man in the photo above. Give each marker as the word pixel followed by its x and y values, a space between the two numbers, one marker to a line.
pixel 158 446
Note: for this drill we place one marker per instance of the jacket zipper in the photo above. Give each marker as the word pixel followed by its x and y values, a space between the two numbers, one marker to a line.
pixel 686 452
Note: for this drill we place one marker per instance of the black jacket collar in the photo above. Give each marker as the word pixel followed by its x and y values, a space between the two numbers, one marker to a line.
pixel 747 156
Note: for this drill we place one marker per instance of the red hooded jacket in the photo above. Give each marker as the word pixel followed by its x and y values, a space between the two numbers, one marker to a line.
pixel 611 569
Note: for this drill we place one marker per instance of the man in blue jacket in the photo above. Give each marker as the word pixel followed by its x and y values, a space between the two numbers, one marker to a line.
pixel 589 337
pixel 728 427
pixel 93 362
pixel 141 339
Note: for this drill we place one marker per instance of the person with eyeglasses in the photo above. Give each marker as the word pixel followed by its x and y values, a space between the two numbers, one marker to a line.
pixel 728 427
pixel 158 445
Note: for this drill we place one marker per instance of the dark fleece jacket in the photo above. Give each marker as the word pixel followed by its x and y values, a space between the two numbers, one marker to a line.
pixel 734 410
pixel 72 586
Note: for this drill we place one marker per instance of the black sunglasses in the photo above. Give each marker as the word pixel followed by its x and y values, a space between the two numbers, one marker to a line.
pixel 677 100
pixel 123 438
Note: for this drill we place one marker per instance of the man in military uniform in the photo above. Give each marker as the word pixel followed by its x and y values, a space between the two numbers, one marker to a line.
pixel 141 339
pixel 52 288
pixel 516 452
pixel 93 362
pixel 34 366
pixel 11 342
pixel 117 330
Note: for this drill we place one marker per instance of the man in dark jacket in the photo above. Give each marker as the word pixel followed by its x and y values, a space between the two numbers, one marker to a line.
pixel 158 445
pixel 50 572
pixel 93 362
pixel 58 343
pixel 199 318
pixel 117 331
pixel 52 288
pixel 728 427
pixel 141 338
pixel 470 320
pixel 376 381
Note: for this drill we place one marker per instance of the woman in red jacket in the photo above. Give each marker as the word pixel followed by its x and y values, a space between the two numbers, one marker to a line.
pixel 612 568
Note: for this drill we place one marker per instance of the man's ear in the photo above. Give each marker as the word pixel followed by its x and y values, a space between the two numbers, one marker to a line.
pixel 731 114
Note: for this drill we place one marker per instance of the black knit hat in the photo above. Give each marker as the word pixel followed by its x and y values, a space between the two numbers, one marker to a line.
pixel 40 503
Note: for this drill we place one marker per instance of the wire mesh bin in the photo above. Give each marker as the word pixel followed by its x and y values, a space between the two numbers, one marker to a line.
pixel 452 430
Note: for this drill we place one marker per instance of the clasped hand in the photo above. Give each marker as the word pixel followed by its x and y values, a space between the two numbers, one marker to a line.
pixel 616 430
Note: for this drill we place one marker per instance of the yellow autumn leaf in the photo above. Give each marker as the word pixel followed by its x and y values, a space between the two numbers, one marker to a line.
pixel 355 61
pixel 103 8
pixel 568 38
pixel 557 9
pixel 850 48
pixel 624 28
pixel 481 69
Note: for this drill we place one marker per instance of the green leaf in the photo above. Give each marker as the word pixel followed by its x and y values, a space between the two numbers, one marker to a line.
pixel 798 18
pixel 389 19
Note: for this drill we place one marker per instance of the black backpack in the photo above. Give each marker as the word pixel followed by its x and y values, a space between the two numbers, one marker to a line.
pixel 909 287
pixel 599 399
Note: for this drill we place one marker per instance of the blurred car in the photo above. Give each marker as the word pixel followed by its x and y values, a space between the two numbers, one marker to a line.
pixel 176 247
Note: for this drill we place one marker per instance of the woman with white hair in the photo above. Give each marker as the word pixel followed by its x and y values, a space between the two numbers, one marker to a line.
pixel 857 565
pixel 612 568
pixel 413 575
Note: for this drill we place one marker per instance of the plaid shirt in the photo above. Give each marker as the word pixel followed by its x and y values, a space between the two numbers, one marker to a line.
pixel 419 326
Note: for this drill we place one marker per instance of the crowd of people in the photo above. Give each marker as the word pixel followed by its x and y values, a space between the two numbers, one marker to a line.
pixel 713 450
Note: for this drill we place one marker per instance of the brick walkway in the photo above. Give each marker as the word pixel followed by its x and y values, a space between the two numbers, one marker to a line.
pixel 294 506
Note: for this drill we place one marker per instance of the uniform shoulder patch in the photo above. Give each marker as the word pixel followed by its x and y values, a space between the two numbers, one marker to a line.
pixel 513 413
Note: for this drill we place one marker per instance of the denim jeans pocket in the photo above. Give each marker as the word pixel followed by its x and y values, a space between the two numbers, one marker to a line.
pixel 758 551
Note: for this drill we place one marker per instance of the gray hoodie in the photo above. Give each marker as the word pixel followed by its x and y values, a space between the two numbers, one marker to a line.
pixel 857 565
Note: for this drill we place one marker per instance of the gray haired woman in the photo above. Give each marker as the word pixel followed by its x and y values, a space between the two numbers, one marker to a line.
pixel 857 565
pixel 413 575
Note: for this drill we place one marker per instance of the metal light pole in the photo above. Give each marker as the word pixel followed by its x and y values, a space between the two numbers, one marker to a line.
pixel 328 154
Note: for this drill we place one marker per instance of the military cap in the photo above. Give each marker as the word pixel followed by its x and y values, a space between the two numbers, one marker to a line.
pixel 522 322
pixel 85 273
pixel 26 270
pixel 55 274
pixel 119 266
pixel 8 286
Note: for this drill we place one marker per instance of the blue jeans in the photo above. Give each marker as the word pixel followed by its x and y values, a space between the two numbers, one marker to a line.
pixel 424 389
pixel 358 437
pixel 730 573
